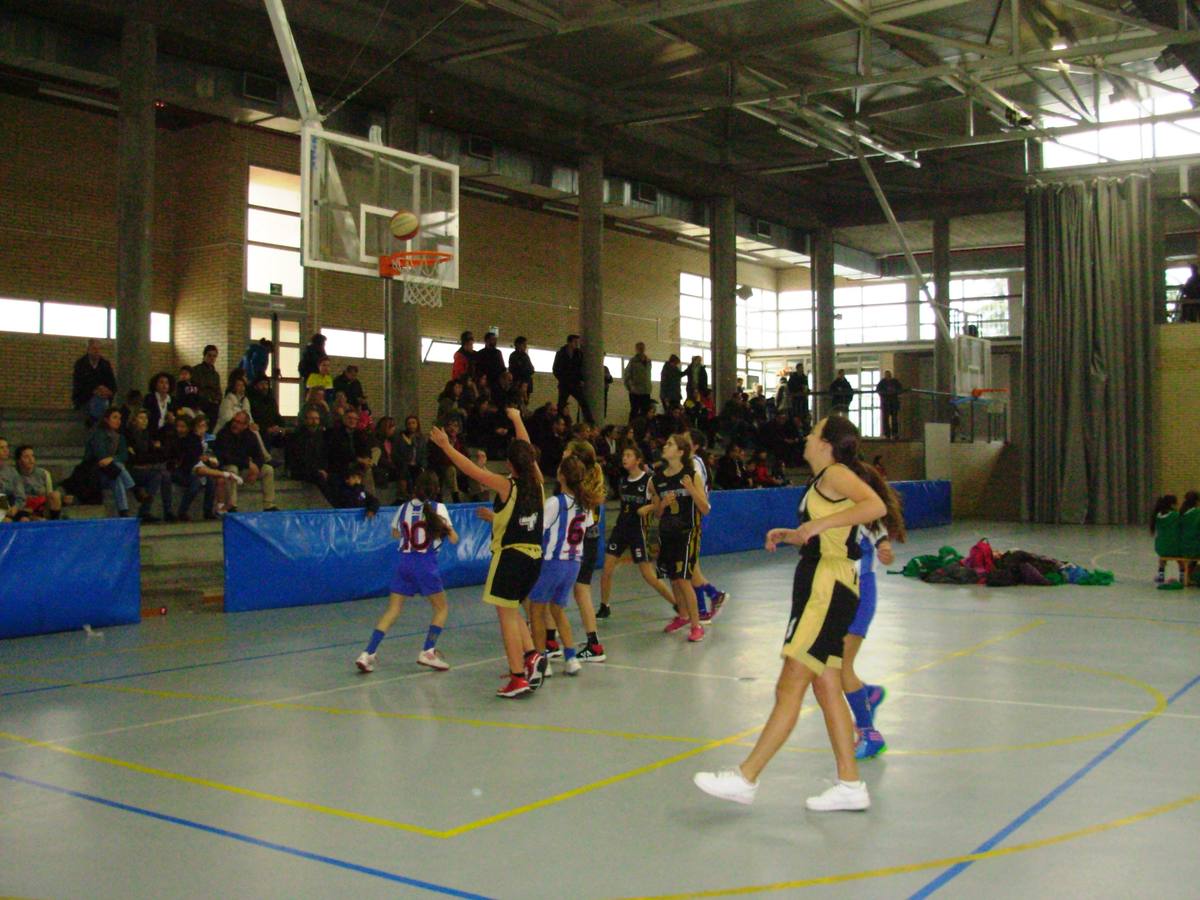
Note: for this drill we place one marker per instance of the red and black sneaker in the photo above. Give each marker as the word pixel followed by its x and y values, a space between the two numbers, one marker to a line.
pixel 553 649
pixel 517 687
pixel 591 653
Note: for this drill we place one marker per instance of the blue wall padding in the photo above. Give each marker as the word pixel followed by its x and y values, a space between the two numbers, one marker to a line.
pixel 59 576
pixel 328 555
pixel 312 556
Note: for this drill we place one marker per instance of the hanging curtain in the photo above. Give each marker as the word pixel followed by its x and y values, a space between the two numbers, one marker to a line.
pixel 1088 351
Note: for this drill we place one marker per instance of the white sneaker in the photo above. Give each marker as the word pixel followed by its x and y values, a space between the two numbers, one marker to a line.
pixel 434 659
pixel 365 662
pixel 843 795
pixel 549 669
pixel 573 666
pixel 728 784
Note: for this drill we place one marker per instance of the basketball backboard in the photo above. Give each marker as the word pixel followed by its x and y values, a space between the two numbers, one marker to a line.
pixel 351 187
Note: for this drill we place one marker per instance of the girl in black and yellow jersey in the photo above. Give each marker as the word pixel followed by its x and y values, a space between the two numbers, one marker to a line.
pixel 841 496
pixel 679 502
pixel 516 520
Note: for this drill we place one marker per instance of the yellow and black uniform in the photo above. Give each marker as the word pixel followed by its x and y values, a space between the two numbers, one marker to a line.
pixel 516 548
pixel 825 586
pixel 676 526
pixel 629 533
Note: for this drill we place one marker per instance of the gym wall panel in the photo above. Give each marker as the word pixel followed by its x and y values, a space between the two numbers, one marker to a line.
pixel 59 576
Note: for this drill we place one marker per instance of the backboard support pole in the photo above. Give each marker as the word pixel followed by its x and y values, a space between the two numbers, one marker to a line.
pixel 305 103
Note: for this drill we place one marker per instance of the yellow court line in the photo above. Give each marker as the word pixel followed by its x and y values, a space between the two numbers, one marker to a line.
pixel 221 786
pixel 966 651
pixel 942 863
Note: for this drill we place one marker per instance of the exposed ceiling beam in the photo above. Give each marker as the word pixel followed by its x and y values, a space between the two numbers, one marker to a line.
pixel 1112 15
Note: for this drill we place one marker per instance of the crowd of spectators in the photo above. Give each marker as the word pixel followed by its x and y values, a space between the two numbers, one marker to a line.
pixel 159 445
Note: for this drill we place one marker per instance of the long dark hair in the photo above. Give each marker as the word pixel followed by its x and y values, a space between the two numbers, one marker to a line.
pixel 840 433
pixel 523 459
pixel 1164 504
pixel 1190 501
pixel 427 489
pixel 683 441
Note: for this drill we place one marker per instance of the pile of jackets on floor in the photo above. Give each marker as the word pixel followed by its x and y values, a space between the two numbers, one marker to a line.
pixel 983 565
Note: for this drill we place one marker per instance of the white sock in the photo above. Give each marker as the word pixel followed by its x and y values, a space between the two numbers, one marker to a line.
pixel 851 784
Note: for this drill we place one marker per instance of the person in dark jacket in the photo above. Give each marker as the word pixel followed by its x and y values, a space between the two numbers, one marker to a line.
pixel 159 402
pixel 521 365
pixel 568 369
pixel 265 411
pixel 313 353
pixel 697 377
pixel 889 390
pixel 670 384
pixel 146 465
pixel 354 495
pixel 797 393
pixel 208 380
pixel 93 383
pixel 349 385
pixel 841 393
pixel 731 470
pixel 489 361
pixel 240 452
pixel 254 361
pixel 106 447
pixel 347 445
pixel 187 395
pixel 307 455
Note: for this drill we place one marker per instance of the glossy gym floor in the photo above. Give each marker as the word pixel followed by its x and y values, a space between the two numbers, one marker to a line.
pixel 1042 741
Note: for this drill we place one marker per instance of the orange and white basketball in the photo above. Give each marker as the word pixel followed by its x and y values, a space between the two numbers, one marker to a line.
pixel 404 225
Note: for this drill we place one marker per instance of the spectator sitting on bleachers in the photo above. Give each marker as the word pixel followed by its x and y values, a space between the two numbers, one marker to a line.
pixel 315 400
pixel 349 384
pixel 476 492
pixel 488 429
pixel 159 402
pixel 731 470
pixel 106 448
pixel 181 454
pixel 11 497
pixel 780 437
pixel 208 381
pixel 366 421
pixel 761 471
pixel 41 500
pixel 93 383
pixel 234 402
pixel 383 438
pixel 446 471
pixel 264 412
pixel 187 394
pixel 321 378
pixel 410 455
pixel 346 445
pixel 147 465
pixel 219 481
pixel 133 401
pixel 353 493
pixel 240 453
pixel 448 406
pixel 308 454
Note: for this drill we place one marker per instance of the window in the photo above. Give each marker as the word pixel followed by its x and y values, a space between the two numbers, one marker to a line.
pixel 758 322
pixel 871 313
pixel 273 234
pixel 356 344
pixel 982 302
pixel 1113 143
pixel 864 410
pixel 73 320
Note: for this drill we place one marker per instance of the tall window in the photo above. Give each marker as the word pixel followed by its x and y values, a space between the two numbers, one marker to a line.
pixel 273 234
pixel 795 318
pixel 864 410
pixel 982 302
pixel 871 313
pixel 757 324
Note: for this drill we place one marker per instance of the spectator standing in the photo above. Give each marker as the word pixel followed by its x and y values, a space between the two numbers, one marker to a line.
pixel 568 370
pixel 106 447
pixel 313 353
pixel 35 486
pixel 797 393
pixel 349 385
pixel 636 379
pixel 697 376
pixel 841 394
pixel 464 357
pixel 254 361
pixel 521 366
pixel 93 383
pixel 208 382
pixel 889 390
pixel 159 403
pixel 489 361
pixel 670 384
pixel 241 453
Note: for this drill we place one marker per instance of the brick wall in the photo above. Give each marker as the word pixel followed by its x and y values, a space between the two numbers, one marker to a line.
pixel 1176 412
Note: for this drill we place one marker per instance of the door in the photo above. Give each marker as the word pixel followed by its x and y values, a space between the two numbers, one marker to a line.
pixel 285 331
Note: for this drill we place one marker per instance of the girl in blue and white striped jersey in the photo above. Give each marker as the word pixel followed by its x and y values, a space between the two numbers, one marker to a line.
pixel 419 525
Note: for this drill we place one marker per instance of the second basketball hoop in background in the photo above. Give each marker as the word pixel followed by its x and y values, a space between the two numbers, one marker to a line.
pixel 404 225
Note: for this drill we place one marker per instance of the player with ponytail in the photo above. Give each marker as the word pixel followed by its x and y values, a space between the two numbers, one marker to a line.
pixel 419 525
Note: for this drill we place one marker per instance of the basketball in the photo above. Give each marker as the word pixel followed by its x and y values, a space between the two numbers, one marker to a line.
pixel 404 225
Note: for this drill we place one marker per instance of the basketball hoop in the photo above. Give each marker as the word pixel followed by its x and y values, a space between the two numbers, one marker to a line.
pixel 420 271
pixel 997 402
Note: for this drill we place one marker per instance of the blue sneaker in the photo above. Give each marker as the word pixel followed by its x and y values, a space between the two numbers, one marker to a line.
pixel 870 745
pixel 876 694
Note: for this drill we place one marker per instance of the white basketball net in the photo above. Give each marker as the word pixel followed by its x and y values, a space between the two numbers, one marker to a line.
pixel 422 279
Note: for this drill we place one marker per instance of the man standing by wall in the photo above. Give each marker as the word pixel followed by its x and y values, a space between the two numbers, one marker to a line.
pixel 489 361
pixel 636 379
pixel 206 377
pixel 797 392
pixel 521 366
pixel 841 394
pixel 568 369
pixel 93 383
pixel 889 390
pixel 669 384
pixel 697 377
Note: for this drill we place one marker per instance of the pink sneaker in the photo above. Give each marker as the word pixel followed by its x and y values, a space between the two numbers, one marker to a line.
pixel 696 634
pixel 676 623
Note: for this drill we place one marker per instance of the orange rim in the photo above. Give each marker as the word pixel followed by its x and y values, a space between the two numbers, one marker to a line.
pixel 393 263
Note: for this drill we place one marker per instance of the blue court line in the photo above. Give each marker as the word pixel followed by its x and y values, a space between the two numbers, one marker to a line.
pixel 956 870
pixel 223 662
pixel 249 839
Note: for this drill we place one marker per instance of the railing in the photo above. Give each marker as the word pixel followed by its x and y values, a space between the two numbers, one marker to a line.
pixel 1180 310
pixel 971 418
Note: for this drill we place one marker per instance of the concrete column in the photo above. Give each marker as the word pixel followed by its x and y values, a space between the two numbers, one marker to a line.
pixel 722 261
pixel 591 288
pixel 825 353
pixel 943 347
pixel 135 203
pixel 402 327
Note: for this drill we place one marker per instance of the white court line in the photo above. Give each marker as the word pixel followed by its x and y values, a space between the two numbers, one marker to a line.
pixel 360 684
pixel 1097 709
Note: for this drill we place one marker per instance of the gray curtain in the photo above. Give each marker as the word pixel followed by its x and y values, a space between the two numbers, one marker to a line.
pixel 1088 351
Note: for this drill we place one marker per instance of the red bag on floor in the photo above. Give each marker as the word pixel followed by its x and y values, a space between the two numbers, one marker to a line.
pixel 980 557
